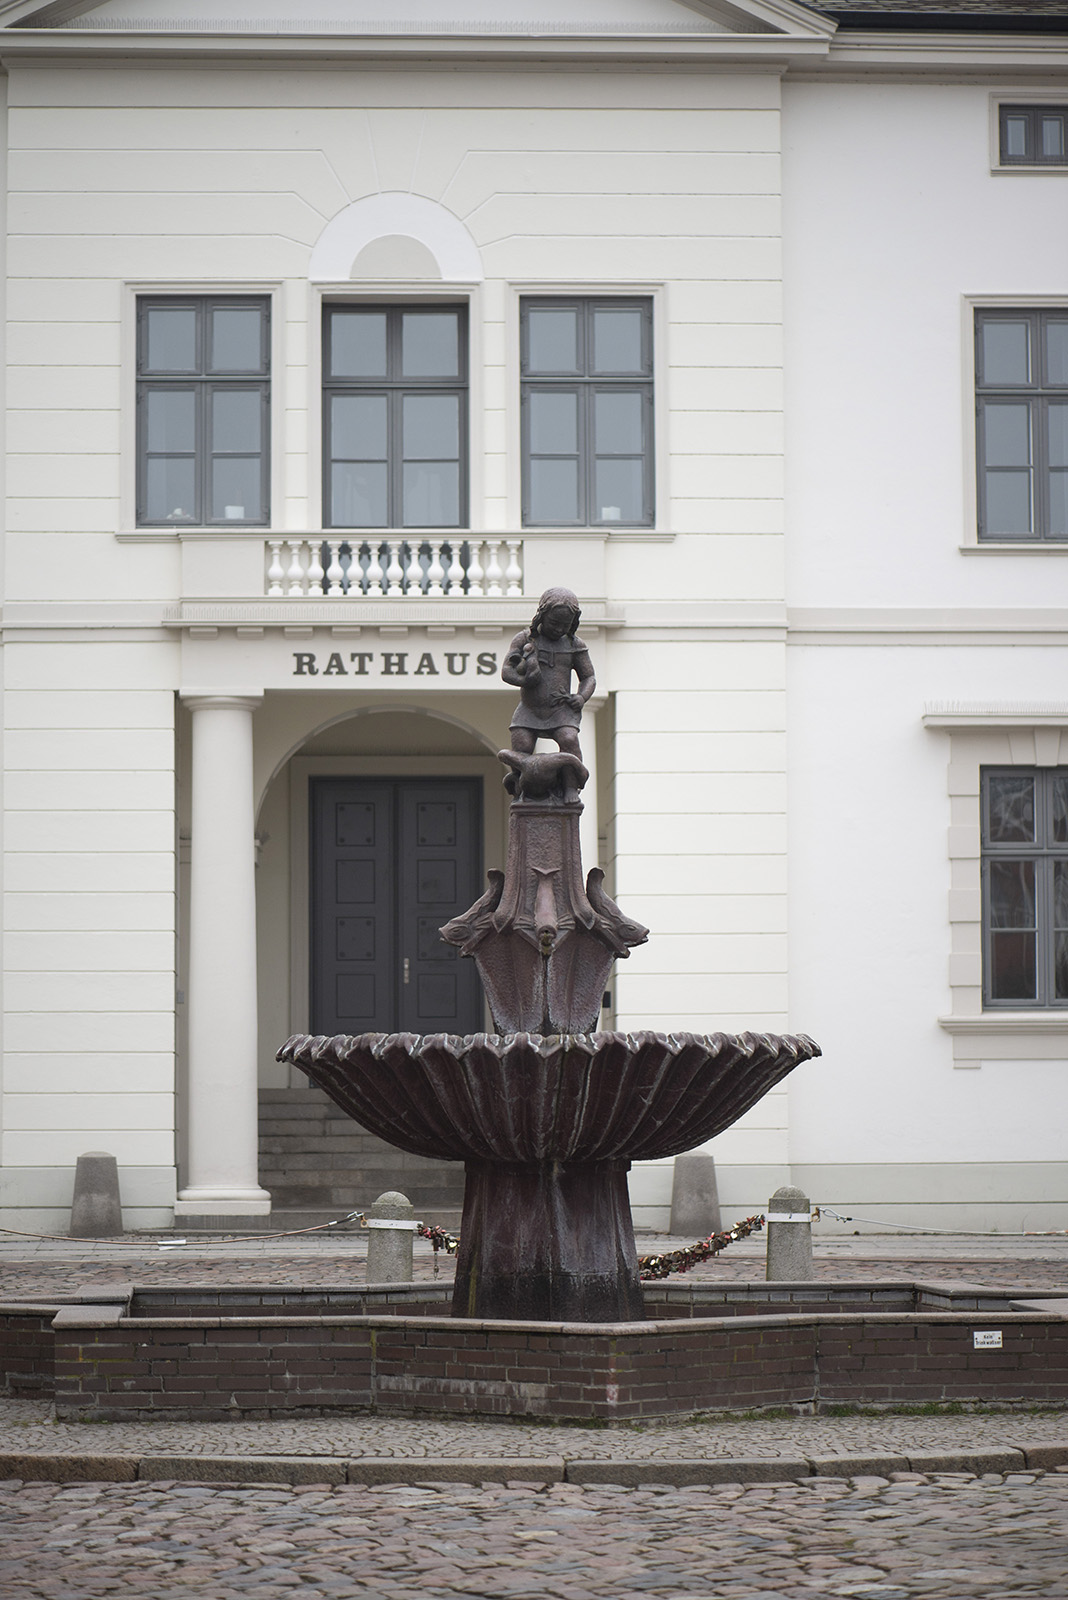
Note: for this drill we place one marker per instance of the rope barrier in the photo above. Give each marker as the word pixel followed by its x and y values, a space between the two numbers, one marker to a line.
pixel 691 1255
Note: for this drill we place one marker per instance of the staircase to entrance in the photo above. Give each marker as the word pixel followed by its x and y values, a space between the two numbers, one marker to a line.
pixel 318 1164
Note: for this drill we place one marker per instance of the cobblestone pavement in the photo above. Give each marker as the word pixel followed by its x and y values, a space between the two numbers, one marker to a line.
pixel 869 1538
pixel 27 1427
pixel 338 1259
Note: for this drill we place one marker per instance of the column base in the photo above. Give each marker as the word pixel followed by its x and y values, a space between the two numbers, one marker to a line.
pixel 222 1203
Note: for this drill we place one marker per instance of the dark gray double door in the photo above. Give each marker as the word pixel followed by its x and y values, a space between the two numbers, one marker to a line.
pixel 392 859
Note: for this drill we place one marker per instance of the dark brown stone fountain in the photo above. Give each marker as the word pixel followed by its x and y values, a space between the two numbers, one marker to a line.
pixel 546 1114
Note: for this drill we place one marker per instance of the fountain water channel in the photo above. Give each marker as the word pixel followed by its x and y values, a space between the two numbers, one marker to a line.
pixel 546 1113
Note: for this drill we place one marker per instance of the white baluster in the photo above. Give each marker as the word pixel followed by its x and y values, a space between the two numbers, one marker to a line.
pixel 295 572
pixel 435 574
pixel 315 568
pixel 456 571
pixel 276 573
pixel 395 572
pixel 494 575
pixel 475 574
pixel 374 570
pixel 335 572
pixel 513 573
pixel 413 578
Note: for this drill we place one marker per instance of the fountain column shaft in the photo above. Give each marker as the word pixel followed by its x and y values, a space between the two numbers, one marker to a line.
pixel 550 1241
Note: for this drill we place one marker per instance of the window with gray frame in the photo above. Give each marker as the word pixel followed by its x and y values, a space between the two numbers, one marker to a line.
pixel 203 411
pixel 587 412
pixel 395 416
pixel 1033 136
pixel 1025 886
pixel 1021 368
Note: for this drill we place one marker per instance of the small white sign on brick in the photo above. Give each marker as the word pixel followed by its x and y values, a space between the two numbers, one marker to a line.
pixel 987 1339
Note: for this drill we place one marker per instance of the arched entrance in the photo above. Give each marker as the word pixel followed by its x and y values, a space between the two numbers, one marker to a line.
pixel 375 830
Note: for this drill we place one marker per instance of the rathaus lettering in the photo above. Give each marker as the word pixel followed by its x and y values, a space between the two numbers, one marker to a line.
pixel 395 664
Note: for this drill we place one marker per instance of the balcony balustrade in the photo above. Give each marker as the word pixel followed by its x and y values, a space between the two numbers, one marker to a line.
pixel 372 568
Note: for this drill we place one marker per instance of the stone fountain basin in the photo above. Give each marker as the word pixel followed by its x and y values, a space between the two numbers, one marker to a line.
pixel 547 1127
pixel 569 1098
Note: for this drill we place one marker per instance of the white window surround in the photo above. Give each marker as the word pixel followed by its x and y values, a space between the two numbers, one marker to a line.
pixel 982 734
pixel 593 289
pixel 128 532
pixel 410 292
pixel 1053 95
pixel 970 544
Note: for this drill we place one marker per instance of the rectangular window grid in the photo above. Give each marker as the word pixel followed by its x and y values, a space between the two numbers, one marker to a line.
pixel 1021 367
pixel 203 411
pixel 395 416
pixel 1025 887
pixel 1033 136
pixel 587 412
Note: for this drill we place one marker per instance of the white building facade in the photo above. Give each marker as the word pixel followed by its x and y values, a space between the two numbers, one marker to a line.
pixel 329 346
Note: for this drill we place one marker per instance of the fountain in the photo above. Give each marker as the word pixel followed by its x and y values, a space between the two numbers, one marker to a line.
pixel 547 1114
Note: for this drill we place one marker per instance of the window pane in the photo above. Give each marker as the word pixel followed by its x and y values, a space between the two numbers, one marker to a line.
pixel 1057 352
pixel 1053 138
pixel 617 341
pixel 618 491
pixel 1058 434
pixel 236 489
pixel 431 426
pixel 1006 350
pixel 1011 807
pixel 1059 814
pixel 552 340
pixel 358 494
pixel 235 340
pixel 1012 960
pixel 1008 502
pixel 170 490
pixel 1016 137
pixel 358 344
pixel 235 420
pixel 617 423
pixel 1058 502
pixel 430 344
pixel 553 422
pixel 1012 894
pixel 170 419
pixel 1060 925
pixel 554 493
pixel 431 494
pixel 170 340
pixel 1007 434
pixel 358 427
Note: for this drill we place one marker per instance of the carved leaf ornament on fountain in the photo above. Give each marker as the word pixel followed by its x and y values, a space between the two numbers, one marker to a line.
pixel 547 1114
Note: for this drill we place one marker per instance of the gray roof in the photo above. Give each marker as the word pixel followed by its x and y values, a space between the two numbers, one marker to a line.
pixel 1045 15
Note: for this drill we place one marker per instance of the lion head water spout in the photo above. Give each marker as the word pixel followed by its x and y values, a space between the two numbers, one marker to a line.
pixel 547 1114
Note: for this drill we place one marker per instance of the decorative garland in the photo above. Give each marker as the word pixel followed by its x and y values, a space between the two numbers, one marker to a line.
pixel 693 1254
pixel 649 1267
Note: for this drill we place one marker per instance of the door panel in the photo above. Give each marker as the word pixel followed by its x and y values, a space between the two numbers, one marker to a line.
pixel 391 861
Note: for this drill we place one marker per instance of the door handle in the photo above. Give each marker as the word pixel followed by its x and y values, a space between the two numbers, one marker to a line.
pixel 407 970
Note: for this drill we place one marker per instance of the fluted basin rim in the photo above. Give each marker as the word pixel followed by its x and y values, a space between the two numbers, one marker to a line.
pixel 559 1097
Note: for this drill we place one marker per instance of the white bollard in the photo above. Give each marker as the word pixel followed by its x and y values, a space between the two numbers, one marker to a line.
pixel 789 1220
pixel 391 1225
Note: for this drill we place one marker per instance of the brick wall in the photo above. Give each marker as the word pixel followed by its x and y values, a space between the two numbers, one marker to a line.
pixel 211 1367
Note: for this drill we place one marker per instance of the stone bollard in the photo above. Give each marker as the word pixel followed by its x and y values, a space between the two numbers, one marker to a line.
pixel 392 1226
pixel 694 1197
pixel 789 1220
pixel 96 1211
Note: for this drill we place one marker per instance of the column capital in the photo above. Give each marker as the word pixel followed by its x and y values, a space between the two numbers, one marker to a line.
pixel 203 699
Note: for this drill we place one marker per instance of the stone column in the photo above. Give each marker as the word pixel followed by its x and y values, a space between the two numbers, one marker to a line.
pixel 222 1078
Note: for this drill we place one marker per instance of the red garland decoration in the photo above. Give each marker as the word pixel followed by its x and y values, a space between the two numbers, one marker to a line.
pixel 649 1267
pixel 693 1254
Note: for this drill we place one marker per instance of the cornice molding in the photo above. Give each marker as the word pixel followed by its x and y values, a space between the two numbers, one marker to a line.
pixel 995 714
